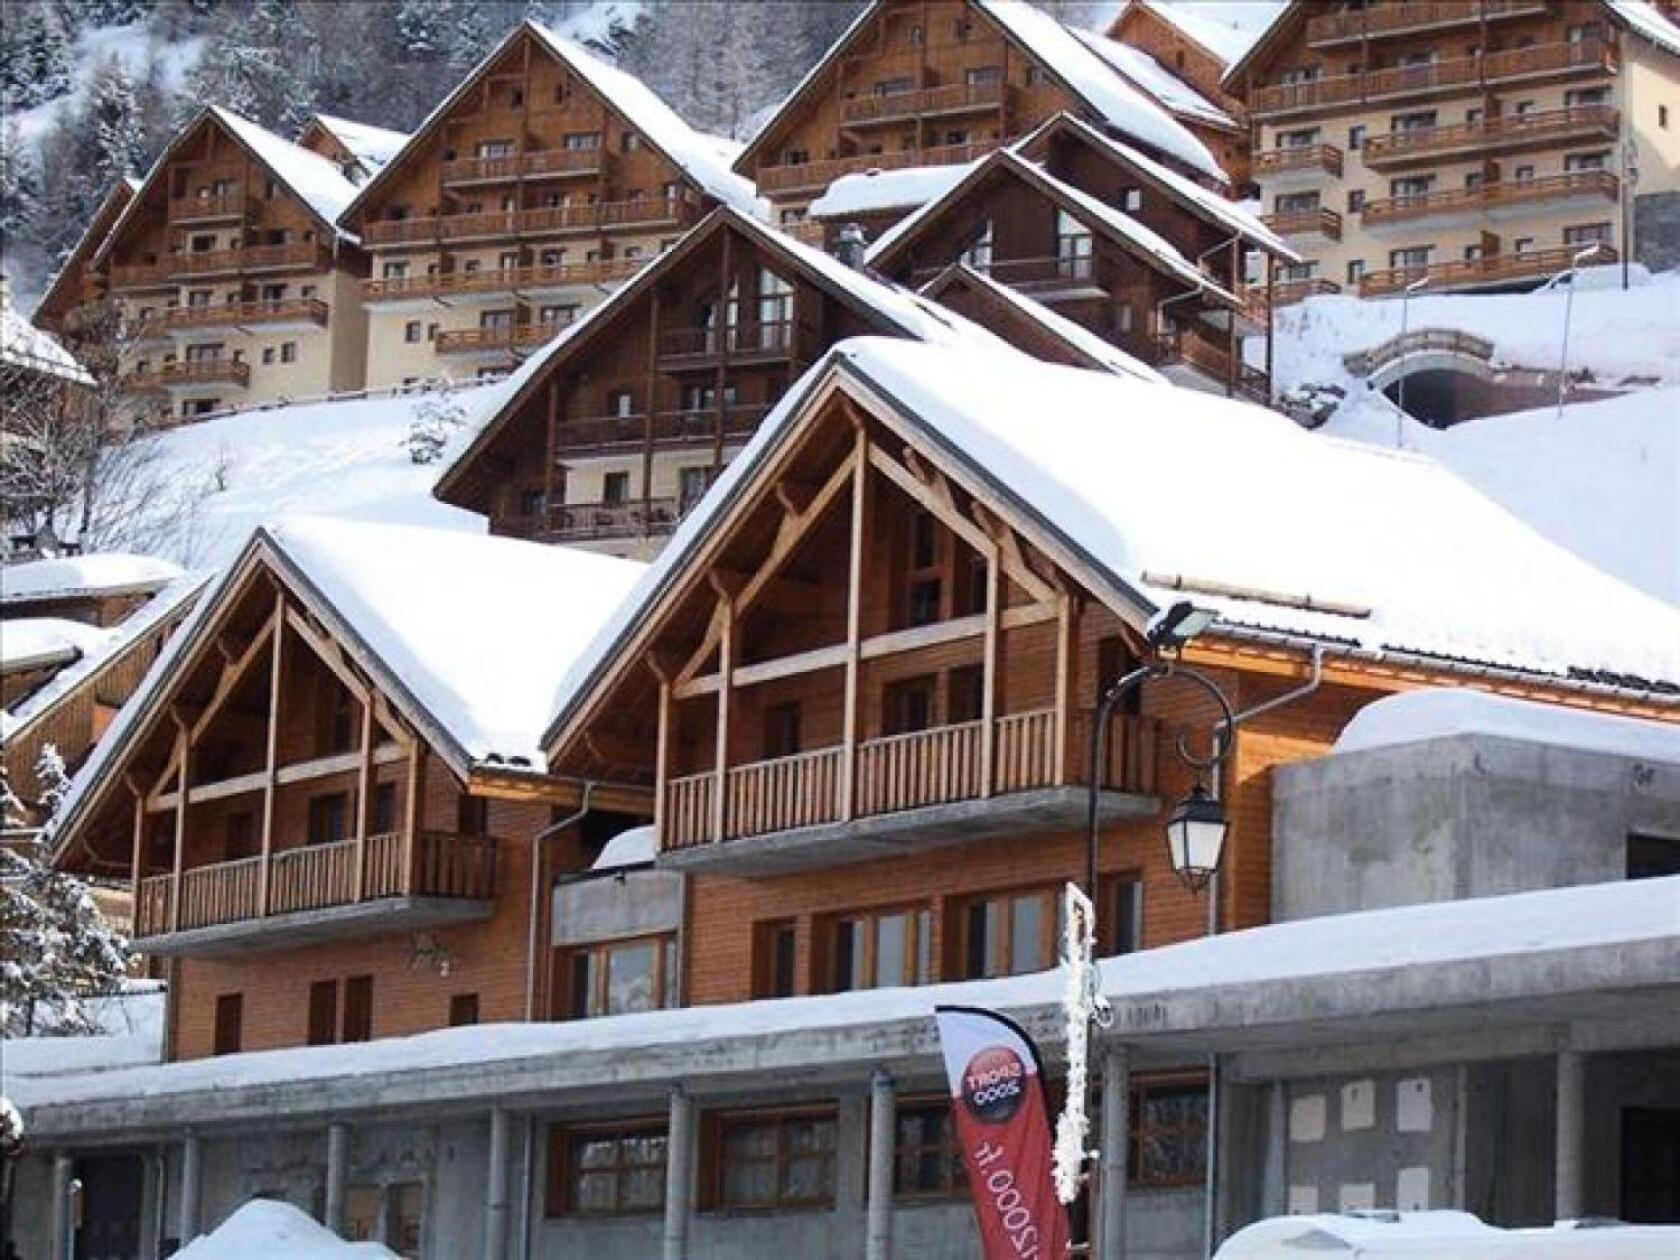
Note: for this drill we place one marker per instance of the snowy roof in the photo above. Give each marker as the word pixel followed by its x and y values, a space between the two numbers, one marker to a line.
pixel 635 847
pixel 1110 357
pixel 1226 28
pixel 1231 214
pixel 270 1227
pixel 26 348
pixel 1118 103
pixel 315 180
pixel 31 642
pixel 1643 18
pixel 372 146
pixel 869 191
pixel 1437 713
pixel 1154 78
pixel 97 573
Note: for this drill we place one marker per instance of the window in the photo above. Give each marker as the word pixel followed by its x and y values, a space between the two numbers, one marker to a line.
pixel 978 255
pixel 880 949
pixel 1411 186
pixel 432 331
pixel 323 1013
pixel 1300 138
pixel 924 602
pixel 288 352
pixel 1125 930
pixel 463 1009
pixel 1412 258
pixel 1587 234
pixel 1576 97
pixel 1472 253
pixel 384 808
pixel 230 1014
pixel 1662 117
pixel 978 76
pixel 472 815
pixel 691 486
pixel 1586 162
pixel 1356 200
pixel 893 87
pixel 1011 933
pixel 329 818
pixel 267 355
pixel 576 140
pixel 619 977
pixel 1523 108
pixel 1473 116
pixel 1034 75
pixel 1131 200
pixel 412 331
pixel 358 1009
pixel 781 729
pixel 335 717
pixel 965 694
pixel 775 1161
pixel 1355 270
pixel 775 953
pixel 1524 244
pixel 927 1155
pixel 607 1171
pixel 615 488
pixel 1356 138
pixel 557 316
pixel 1652 857
pixel 917 36
pixel 1073 246
pixel 1420 120
pixel 1169 1134
pixel 531 503
pixel 239 836
pixel 909 705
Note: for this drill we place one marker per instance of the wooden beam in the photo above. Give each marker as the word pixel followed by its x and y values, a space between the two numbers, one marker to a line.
pixel 661 761
pixel 364 803
pixel 614 748
pixel 1066 646
pixel 232 674
pixel 794 496
pixel 184 755
pixel 854 625
pixel 726 663
pixel 138 859
pixel 768 671
pixel 297 772
pixel 989 672
pixel 331 654
pixel 272 758
pixel 792 532
pixel 708 642
pixel 413 812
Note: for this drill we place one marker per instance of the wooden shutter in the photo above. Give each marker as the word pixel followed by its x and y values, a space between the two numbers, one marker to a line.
pixel 323 1012
pixel 358 1009
pixel 230 1010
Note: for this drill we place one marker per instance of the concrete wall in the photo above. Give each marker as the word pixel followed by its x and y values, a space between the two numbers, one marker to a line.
pixel 1465 816
pixel 605 908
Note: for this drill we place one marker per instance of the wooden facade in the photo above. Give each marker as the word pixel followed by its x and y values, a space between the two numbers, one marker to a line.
pixel 79 285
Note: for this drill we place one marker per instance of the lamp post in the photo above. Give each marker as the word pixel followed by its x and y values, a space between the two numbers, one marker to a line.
pixel 1415 286
pixel 1585 255
pixel 1630 181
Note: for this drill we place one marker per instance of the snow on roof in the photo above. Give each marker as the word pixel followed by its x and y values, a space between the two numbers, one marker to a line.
pixel 1438 713
pixel 1644 18
pixel 704 158
pixel 268 1227
pixel 1234 215
pixel 1119 104
pixel 1330 948
pixel 1226 28
pixel 130 1034
pixel 372 146
pixel 30 642
pixel 26 348
pixel 635 847
pixel 1093 347
pixel 869 191
pixel 97 573
pixel 315 180
pixel 1150 75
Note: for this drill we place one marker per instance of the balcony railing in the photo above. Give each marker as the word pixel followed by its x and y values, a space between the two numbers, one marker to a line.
pixel 1288 292
pixel 211 206
pixel 189 372
pixel 953 98
pixel 1491 196
pixel 811 176
pixel 1509 131
pixel 226 314
pixel 1495 269
pixel 316 877
pixel 896 773
pixel 502 280
pixel 508 166
pixel 669 428
pixel 1460 73
pixel 535 221
pixel 250 258
pixel 635 518
pixel 1189 346
pixel 1312 159
pixel 1400 17
pixel 769 339
pixel 1318 221
pixel 506 337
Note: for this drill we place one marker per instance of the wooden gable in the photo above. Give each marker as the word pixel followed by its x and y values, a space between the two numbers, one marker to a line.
pixel 78 282
pixel 1143 28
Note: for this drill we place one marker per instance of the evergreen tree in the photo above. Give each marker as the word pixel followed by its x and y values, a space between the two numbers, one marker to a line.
pixel 419 30
pixel 20 185
pixel 111 127
pixel 37 54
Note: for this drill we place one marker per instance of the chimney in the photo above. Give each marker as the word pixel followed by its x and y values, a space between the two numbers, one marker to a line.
pixel 849 246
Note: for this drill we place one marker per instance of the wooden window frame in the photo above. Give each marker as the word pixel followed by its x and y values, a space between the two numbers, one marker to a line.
pixel 667 973
pixel 229 1024
pixel 719 1123
pixel 559 1200
pixel 358 1005
pixel 322 802
pixel 1140 1132
pixel 461 1006
pixel 321 1026
pixel 920 918
pixel 766 934
pixel 949 1147
pixel 1002 948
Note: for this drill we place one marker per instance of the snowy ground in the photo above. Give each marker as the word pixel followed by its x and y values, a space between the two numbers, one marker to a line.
pixel 265 1228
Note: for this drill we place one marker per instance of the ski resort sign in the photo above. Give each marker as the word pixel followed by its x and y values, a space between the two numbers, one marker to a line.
pixel 1003 1126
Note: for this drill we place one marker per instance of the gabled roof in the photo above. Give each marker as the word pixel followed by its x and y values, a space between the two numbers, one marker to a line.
pixel 314 180
pixel 1084 74
pixel 1143 493
pixel 870 192
pixel 1225 29
pixel 1224 213
pixel 467 635
pixel 25 348
pixel 1148 246
pixel 94 574
pixel 371 146
pixel 895 308
pixel 1151 76
pixel 704 160
pixel 92 237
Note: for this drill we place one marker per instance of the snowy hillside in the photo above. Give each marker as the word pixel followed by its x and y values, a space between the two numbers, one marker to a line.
pixel 135 46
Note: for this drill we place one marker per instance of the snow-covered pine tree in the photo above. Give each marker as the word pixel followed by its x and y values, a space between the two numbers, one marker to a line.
pixel 37 54
pixel 54 777
pixel 20 184
pixel 112 127
pixel 419 30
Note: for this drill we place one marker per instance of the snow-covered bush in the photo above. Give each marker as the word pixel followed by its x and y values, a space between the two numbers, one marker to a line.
pixel 435 421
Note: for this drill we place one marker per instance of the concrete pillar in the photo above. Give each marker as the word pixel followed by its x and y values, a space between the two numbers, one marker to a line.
pixel 1116 1149
pixel 496 1192
pixel 152 1191
pixel 63 1211
pixel 679 1175
pixel 338 1171
pixel 883 1128
pixel 192 1186
pixel 1274 1175
pixel 1571 1115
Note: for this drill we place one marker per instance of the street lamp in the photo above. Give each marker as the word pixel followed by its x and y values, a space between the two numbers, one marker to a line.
pixel 1415 286
pixel 1591 251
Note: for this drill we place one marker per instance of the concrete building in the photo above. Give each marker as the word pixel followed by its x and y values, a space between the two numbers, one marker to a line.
pixel 1475 145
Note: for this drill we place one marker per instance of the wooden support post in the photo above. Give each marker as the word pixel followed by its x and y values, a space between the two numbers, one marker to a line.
pixel 551 459
pixel 413 812
pixel 1066 645
pixel 183 758
pixel 271 766
pixel 661 769
pixel 854 626
pixel 138 860
pixel 651 404
pixel 364 802
pixel 726 666
pixel 989 675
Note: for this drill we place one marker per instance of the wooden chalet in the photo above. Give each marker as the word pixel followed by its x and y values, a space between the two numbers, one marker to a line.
pixel 923 83
pixel 543 181
pixel 101 588
pixel 615 430
pixel 860 683
pixel 1166 270
pixel 326 795
pixel 80 285
pixel 233 284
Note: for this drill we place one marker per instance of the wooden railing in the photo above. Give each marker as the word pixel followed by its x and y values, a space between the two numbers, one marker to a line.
pixel 669 428
pixel 922 768
pixel 513 165
pixel 773 338
pixel 1401 16
pixel 573 522
pixel 291 310
pixel 1454 73
pixel 1491 134
pixel 807 176
pixel 140 275
pixel 500 337
pixel 688 819
pixel 1325 158
pixel 1191 346
pixel 1025 756
pixel 1495 269
pixel 1320 221
pixel 502 280
pixel 536 221
pixel 223 205
pixel 316 877
pixel 952 98
pixel 190 372
pixel 250 258
pixel 1286 292
pixel 1487 196
pixel 787 792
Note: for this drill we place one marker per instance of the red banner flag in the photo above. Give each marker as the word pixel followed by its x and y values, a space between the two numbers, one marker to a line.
pixel 1003 1124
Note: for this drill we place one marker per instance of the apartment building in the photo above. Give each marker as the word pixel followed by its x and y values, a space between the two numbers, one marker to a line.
pixel 1472 144
pixel 916 84
pixel 541 183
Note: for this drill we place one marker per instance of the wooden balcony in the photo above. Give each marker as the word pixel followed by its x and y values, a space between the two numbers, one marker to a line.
pixel 509 280
pixel 913 791
pixel 1197 349
pixel 1493 135
pixel 504 338
pixel 648 212
pixel 1460 74
pixel 688 348
pixel 317 892
pixel 1320 221
pixel 189 373
pixel 1492 197
pixel 1288 292
pixel 954 98
pixel 512 166
pixel 815 176
pixel 155 275
pixel 1499 269
pixel 669 429
pixel 587 522
pixel 1408 17
pixel 240 314
pixel 211 262
pixel 211 208
pixel 1311 160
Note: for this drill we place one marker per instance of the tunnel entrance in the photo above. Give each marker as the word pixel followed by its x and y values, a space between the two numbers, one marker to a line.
pixel 1441 397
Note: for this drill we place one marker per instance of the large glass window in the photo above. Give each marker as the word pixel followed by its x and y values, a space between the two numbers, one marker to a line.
pixel 881 949
pixel 606 1171
pixel 1010 934
pixel 769 1161
pixel 618 978
pixel 927 1158
pixel 1169 1134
